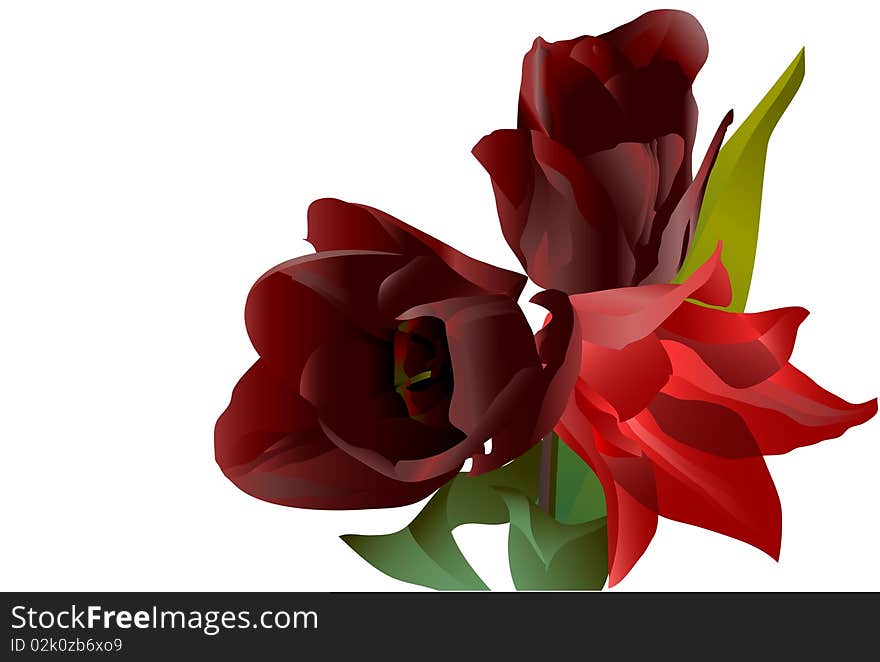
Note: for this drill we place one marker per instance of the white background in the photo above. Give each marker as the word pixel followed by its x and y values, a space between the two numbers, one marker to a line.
pixel 157 157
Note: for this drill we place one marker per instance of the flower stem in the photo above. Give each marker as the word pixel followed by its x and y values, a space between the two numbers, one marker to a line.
pixel 547 476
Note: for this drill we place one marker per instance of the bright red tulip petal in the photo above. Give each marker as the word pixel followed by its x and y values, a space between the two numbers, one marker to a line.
pixel 788 410
pixel 733 496
pixel 615 318
pixel 609 368
pixel 698 395
pixel 742 349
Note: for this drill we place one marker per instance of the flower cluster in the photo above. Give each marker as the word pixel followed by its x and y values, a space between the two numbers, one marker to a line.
pixel 388 359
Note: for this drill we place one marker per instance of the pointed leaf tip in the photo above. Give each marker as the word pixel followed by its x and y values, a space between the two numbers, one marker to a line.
pixel 731 207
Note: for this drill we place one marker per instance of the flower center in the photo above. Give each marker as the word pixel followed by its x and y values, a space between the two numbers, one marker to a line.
pixel 423 370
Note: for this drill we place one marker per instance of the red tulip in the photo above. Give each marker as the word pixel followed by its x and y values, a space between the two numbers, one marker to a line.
pixel 387 359
pixel 676 404
pixel 595 188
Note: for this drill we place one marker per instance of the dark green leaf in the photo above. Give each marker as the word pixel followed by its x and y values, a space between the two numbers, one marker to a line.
pixel 579 494
pixel 425 552
pixel 732 205
pixel 547 555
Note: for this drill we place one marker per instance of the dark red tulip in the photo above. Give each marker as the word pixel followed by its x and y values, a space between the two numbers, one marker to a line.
pixel 387 359
pixel 676 405
pixel 595 188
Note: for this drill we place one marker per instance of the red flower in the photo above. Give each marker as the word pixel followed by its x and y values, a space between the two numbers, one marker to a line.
pixel 386 360
pixel 677 403
pixel 594 189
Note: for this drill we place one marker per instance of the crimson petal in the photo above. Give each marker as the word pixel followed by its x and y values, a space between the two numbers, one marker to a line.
pixel 268 442
pixel 338 225
pixel 676 404
pixel 663 35
pixel 501 392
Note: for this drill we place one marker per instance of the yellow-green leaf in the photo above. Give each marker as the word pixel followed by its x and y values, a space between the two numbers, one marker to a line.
pixel 731 208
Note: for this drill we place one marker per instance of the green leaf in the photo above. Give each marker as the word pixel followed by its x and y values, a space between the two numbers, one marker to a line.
pixel 547 555
pixel 732 205
pixel 579 494
pixel 425 552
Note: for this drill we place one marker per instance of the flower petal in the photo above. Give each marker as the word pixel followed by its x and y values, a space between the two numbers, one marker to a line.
pixel 678 231
pixel 334 292
pixel 631 524
pixel 629 173
pixel 559 348
pixel 268 442
pixel 495 382
pixel 615 318
pixel 663 35
pixel 664 50
pixel 605 371
pixel 566 99
pixel 703 419
pixel 788 410
pixel 555 214
pixel 337 225
pixel 732 496
pixel 741 348
pixel 510 391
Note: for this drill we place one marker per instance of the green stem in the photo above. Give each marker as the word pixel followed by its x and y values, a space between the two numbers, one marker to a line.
pixel 547 474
